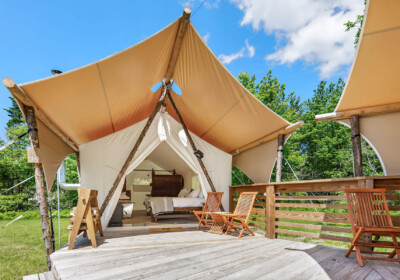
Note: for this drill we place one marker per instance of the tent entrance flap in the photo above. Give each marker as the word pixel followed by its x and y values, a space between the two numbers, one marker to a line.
pixel 102 159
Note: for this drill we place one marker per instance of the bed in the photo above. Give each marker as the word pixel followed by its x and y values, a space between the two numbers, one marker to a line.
pixel 169 197
pixel 156 206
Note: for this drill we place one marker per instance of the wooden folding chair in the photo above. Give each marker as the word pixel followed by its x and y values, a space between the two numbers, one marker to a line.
pixel 238 221
pixel 369 213
pixel 86 218
pixel 212 204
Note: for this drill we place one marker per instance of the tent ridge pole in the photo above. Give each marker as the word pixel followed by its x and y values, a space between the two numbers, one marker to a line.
pixel 203 167
pixel 133 152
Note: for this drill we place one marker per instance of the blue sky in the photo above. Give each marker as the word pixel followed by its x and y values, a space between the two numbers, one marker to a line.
pixel 301 41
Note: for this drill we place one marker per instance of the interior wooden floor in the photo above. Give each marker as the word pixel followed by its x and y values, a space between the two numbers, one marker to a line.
pixel 139 218
pixel 137 253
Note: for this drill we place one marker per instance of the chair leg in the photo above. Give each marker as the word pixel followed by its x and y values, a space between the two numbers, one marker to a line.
pixel 395 251
pixel 241 232
pixel 359 258
pixel 355 239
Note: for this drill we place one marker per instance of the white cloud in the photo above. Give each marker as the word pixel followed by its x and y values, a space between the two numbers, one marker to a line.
pixel 227 59
pixel 308 30
pixel 194 4
pixel 248 51
pixel 251 50
pixel 206 37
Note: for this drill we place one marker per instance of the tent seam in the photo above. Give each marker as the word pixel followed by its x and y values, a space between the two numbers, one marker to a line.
pixel 105 96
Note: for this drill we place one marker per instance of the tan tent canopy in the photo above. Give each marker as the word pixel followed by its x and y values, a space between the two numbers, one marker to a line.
pixel 373 87
pixel 99 99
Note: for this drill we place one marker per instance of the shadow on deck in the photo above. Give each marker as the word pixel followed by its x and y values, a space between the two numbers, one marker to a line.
pixel 134 253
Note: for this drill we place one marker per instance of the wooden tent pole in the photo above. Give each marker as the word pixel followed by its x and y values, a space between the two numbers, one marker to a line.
pixel 183 24
pixel 39 180
pixel 184 21
pixel 356 141
pixel 133 152
pixel 281 141
pixel 203 167
pixel 78 165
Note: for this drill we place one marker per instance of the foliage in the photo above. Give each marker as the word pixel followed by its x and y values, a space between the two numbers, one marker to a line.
pixel 14 114
pixel 16 202
pixel 14 168
pixel 358 22
pixel 318 149
pixel 32 215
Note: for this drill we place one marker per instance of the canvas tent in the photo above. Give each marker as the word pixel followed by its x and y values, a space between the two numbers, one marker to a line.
pixel 372 90
pixel 98 110
pixel 102 159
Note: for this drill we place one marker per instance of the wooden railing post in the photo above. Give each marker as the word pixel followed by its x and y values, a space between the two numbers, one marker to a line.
pixel 231 206
pixel 270 212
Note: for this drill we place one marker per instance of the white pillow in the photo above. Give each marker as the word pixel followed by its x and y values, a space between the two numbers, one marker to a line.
pixel 182 193
pixel 201 195
pixel 194 193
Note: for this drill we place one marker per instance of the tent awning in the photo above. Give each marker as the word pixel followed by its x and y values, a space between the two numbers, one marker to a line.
pixel 91 102
pixel 111 94
pixel 372 90
pixel 373 85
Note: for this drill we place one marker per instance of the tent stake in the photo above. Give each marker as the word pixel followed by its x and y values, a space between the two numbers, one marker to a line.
pixel 39 179
pixel 192 144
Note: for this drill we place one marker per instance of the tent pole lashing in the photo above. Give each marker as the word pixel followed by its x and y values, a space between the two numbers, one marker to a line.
pixel 203 167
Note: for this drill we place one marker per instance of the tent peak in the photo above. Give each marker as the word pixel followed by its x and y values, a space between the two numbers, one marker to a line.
pixel 183 24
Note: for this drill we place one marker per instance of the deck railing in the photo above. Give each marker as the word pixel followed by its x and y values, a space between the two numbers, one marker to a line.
pixel 312 209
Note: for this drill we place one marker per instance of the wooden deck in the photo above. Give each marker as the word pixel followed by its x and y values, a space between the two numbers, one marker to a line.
pixel 135 253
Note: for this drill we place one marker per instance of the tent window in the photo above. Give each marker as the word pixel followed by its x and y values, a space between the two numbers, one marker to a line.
pixel 176 88
pixel 142 181
pixel 156 87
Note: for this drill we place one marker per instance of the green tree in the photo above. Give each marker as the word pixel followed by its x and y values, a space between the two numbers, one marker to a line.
pixel 15 115
pixel 357 23
pixel 318 149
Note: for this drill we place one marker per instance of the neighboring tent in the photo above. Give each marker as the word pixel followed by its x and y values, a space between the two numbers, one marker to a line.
pixel 90 110
pixel 373 88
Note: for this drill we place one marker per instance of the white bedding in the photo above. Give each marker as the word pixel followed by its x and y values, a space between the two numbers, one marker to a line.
pixel 187 202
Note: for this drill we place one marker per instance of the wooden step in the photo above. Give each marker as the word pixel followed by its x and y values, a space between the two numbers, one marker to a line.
pixel 48 275
pixel 31 277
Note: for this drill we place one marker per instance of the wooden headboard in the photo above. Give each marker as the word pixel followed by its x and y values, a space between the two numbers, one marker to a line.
pixel 166 185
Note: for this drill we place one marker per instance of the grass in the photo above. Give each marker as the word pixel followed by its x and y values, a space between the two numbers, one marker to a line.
pixel 22 247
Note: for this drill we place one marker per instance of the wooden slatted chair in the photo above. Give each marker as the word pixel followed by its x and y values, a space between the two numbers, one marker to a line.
pixel 212 204
pixel 238 221
pixel 369 213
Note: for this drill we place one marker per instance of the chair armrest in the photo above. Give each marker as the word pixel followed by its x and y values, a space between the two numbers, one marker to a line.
pixel 233 215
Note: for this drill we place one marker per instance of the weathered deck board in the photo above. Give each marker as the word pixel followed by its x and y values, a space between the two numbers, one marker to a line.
pixel 134 253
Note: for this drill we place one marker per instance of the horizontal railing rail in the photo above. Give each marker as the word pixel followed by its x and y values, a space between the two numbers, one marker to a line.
pixel 314 209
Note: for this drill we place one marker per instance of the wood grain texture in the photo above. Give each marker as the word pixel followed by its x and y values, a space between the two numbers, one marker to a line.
pixel 39 181
pixel 199 255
